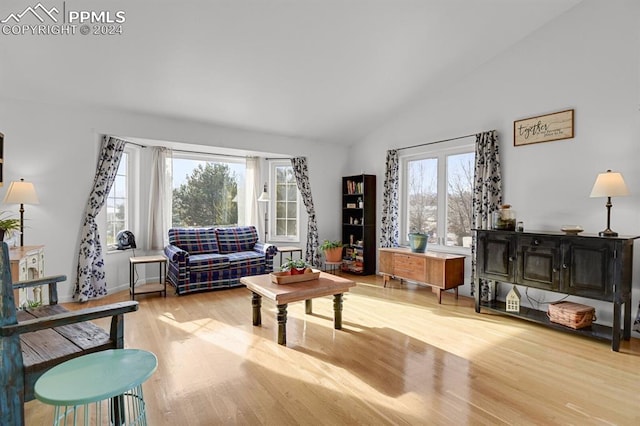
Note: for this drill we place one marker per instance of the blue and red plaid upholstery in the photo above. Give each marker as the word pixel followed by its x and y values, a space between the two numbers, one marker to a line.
pixel 245 263
pixel 208 258
pixel 210 261
pixel 241 238
pixel 194 240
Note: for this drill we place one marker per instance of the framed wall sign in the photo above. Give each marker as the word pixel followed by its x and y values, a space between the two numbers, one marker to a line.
pixel 543 128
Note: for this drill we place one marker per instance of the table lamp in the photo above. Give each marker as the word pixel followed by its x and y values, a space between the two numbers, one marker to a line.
pixel 264 197
pixel 21 192
pixel 609 184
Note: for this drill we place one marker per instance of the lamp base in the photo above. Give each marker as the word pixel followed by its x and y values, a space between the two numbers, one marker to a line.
pixel 608 233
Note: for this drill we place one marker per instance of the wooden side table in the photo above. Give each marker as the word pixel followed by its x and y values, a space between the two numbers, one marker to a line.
pixel 159 287
pixel 289 249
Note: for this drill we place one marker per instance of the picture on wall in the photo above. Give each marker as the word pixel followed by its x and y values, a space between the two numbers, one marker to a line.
pixel 543 128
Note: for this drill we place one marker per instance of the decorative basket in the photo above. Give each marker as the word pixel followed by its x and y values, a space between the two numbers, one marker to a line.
pixel 572 314
pixel 286 278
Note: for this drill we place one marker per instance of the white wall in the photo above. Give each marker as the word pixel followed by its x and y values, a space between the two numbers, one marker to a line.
pixel 587 59
pixel 55 147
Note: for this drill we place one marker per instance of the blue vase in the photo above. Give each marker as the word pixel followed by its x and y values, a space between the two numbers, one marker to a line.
pixel 418 242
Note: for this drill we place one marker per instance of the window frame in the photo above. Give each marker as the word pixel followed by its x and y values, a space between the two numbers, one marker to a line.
pixel 131 203
pixel 440 151
pixel 215 158
pixel 273 165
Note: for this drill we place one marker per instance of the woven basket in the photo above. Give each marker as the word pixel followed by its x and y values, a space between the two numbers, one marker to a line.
pixel 572 314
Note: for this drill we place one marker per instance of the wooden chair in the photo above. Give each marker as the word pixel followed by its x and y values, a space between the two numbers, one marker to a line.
pixel 36 339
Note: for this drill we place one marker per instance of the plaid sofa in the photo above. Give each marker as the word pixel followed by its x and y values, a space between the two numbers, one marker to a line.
pixel 210 258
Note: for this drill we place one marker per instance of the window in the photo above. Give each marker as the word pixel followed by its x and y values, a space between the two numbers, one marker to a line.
pixel 437 190
pixel 285 203
pixel 117 204
pixel 205 190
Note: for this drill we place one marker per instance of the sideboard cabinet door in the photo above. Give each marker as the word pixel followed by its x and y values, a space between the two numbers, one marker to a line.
pixel 588 268
pixel 497 255
pixel 539 259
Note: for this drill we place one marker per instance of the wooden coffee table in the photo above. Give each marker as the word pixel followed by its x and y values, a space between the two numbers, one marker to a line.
pixel 283 294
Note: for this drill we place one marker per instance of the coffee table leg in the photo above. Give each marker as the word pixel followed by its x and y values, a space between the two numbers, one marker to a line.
pixel 308 306
pixel 256 302
pixel 282 324
pixel 337 311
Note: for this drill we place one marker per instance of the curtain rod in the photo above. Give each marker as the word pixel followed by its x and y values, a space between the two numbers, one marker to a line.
pixel 435 142
pixel 136 144
pixel 192 152
pixel 207 153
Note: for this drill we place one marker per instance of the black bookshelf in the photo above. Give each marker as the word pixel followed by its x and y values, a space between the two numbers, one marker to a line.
pixel 359 224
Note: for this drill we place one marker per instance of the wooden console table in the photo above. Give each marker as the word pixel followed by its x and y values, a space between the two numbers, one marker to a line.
pixel 583 265
pixel 441 271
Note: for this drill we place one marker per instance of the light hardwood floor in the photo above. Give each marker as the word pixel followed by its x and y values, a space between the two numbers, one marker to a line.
pixel 400 359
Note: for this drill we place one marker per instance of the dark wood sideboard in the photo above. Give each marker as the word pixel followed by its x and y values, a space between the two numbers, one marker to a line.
pixel 581 265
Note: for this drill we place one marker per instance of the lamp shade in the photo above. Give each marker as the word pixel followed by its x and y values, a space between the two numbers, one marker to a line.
pixel 265 195
pixel 21 192
pixel 609 184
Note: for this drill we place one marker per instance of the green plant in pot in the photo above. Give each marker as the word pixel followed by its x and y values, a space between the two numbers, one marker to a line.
pixel 418 241
pixel 295 267
pixel 332 250
pixel 8 224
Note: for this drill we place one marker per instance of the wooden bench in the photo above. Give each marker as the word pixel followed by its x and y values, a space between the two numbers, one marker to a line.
pixel 34 340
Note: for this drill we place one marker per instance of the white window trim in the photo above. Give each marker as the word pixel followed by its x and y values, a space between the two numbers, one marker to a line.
pixel 273 164
pixel 439 151
pixel 133 203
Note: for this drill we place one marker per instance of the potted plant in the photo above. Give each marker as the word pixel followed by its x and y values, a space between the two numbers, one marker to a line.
pixel 8 224
pixel 332 250
pixel 294 267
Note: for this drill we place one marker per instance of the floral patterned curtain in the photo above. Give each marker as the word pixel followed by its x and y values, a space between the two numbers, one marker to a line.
pixel 390 234
pixel 301 172
pixel 487 197
pixel 91 281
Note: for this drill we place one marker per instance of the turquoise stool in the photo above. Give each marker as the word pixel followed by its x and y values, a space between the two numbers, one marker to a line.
pixel 111 378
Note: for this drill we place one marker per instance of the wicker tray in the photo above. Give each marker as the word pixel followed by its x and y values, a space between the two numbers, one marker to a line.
pixel 572 314
pixel 286 278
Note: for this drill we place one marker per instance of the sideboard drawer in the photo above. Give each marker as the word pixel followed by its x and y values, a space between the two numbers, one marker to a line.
pixel 409 267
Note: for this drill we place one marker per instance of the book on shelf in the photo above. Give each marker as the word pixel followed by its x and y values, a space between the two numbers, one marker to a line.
pixel 354 187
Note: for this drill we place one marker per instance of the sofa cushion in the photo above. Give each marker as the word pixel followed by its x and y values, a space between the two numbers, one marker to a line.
pixel 236 239
pixel 245 263
pixel 194 240
pixel 206 262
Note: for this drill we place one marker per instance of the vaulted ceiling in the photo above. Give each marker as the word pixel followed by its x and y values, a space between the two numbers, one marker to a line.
pixel 329 70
